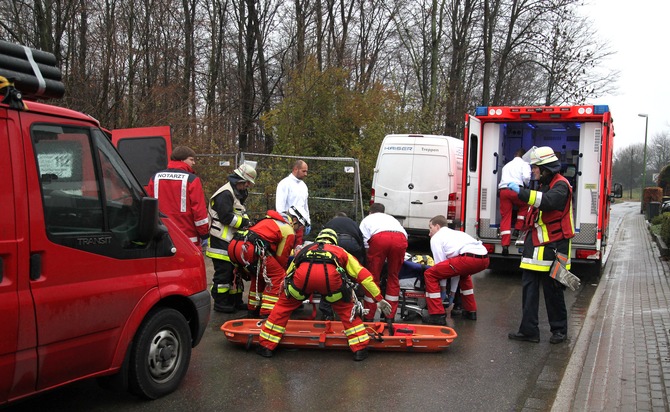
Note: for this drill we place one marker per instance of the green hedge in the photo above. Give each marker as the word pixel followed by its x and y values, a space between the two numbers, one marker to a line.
pixel 665 227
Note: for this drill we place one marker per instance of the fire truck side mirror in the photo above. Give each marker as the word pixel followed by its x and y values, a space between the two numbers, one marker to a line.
pixel 617 191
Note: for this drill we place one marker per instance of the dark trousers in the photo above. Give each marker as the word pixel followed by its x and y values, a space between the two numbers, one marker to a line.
pixel 553 298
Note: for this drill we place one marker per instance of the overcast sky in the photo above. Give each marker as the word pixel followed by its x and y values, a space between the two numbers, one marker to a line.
pixel 636 31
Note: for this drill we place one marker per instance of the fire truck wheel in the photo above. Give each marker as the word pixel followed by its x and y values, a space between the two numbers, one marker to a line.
pixel 160 355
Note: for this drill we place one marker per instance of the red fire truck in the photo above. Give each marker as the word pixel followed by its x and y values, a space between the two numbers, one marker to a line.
pixel 93 281
pixel 582 138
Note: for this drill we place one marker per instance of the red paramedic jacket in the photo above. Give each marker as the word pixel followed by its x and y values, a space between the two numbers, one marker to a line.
pixel 181 197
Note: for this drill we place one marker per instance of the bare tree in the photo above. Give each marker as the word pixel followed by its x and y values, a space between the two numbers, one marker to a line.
pixel 627 167
pixel 658 152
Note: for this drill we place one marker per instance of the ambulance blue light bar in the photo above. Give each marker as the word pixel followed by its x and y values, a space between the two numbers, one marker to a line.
pixel 481 111
pixel 600 109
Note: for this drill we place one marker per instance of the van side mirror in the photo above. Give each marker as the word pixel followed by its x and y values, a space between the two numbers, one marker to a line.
pixel 148 226
pixel 617 191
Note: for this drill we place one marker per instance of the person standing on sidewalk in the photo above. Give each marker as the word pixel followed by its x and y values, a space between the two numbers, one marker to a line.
pixel 386 241
pixel 550 229
pixel 227 215
pixel 457 255
pixel 180 195
pixel 292 191
pixel 515 171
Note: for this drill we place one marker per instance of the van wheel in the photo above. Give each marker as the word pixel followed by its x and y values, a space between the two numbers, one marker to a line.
pixel 160 355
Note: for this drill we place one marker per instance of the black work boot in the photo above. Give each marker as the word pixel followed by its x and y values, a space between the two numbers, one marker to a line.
pixel 254 313
pixel 223 302
pixel 264 352
pixel 361 355
pixel 238 302
pixel 440 320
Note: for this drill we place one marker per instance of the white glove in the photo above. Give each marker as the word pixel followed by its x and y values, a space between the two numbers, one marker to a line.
pixel 384 307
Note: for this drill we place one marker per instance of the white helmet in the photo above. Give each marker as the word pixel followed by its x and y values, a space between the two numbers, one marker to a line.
pixel 246 172
pixel 299 213
pixel 540 155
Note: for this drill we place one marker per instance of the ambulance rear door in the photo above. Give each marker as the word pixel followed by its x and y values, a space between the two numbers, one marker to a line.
pixel 472 166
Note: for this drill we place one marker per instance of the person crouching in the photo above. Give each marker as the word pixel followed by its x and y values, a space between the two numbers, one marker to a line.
pixel 328 269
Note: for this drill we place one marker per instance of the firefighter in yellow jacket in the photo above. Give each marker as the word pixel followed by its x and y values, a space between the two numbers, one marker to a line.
pixel 550 229
pixel 227 215
pixel 328 269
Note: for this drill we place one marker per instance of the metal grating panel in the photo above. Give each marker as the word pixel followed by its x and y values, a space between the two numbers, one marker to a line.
pixel 597 137
pixel 586 234
pixel 484 198
pixel 486 231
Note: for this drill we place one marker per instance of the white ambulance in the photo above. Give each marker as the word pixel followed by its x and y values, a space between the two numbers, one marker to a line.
pixel 418 177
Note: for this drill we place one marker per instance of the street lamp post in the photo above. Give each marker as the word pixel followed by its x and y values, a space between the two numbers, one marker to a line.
pixel 644 161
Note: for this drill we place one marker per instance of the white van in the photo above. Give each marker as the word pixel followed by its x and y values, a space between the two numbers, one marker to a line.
pixel 418 177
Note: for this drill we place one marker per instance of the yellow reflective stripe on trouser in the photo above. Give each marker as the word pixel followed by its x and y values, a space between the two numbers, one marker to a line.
pixel 216 253
pixel 357 334
pixel 536 262
pixel 221 287
pixel 253 301
pixel 274 327
pixel 269 302
pixel 272 338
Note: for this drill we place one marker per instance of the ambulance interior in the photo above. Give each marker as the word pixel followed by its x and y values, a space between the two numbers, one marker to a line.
pixel 566 139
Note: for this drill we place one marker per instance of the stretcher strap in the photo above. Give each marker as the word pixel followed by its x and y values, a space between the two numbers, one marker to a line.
pixel 323 335
pixel 375 331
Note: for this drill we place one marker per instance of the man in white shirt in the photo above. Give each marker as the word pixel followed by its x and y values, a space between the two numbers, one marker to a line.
pixel 457 255
pixel 385 240
pixel 292 191
pixel 515 171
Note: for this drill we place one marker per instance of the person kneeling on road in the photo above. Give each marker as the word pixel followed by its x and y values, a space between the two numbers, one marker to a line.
pixel 328 269
pixel 456 254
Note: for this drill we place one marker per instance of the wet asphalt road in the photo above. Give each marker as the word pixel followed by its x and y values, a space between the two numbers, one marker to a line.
pixel 481 371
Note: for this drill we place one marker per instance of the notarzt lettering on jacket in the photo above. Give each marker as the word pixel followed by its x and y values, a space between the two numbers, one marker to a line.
pixel 170 176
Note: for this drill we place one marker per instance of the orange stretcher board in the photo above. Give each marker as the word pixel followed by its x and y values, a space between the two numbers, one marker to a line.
pixel 330 335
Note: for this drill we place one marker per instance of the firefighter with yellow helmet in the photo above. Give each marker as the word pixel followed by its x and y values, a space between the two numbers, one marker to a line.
pixel 227 215
pixel 550 227
pixel 327 269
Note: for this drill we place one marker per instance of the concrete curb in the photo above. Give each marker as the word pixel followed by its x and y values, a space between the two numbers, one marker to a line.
pixel 665 252
pixel 573 372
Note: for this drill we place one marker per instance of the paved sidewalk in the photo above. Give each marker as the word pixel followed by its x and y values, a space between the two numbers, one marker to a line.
pixel 621 360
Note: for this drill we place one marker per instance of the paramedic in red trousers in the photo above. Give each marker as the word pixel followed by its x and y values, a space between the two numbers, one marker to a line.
pixel 276 234
pixel 328 269
pixel 515 171
pixel 292 191
pixel 180 195
pixel 550 229
pixel 227 215
pixel 457 255
pixel 385 240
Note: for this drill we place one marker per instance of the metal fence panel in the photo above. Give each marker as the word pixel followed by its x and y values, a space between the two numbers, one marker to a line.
pixel 333 182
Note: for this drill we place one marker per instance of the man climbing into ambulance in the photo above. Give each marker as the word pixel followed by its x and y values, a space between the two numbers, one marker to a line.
pixel 328 269
pixel 516 171
pixel 263 254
